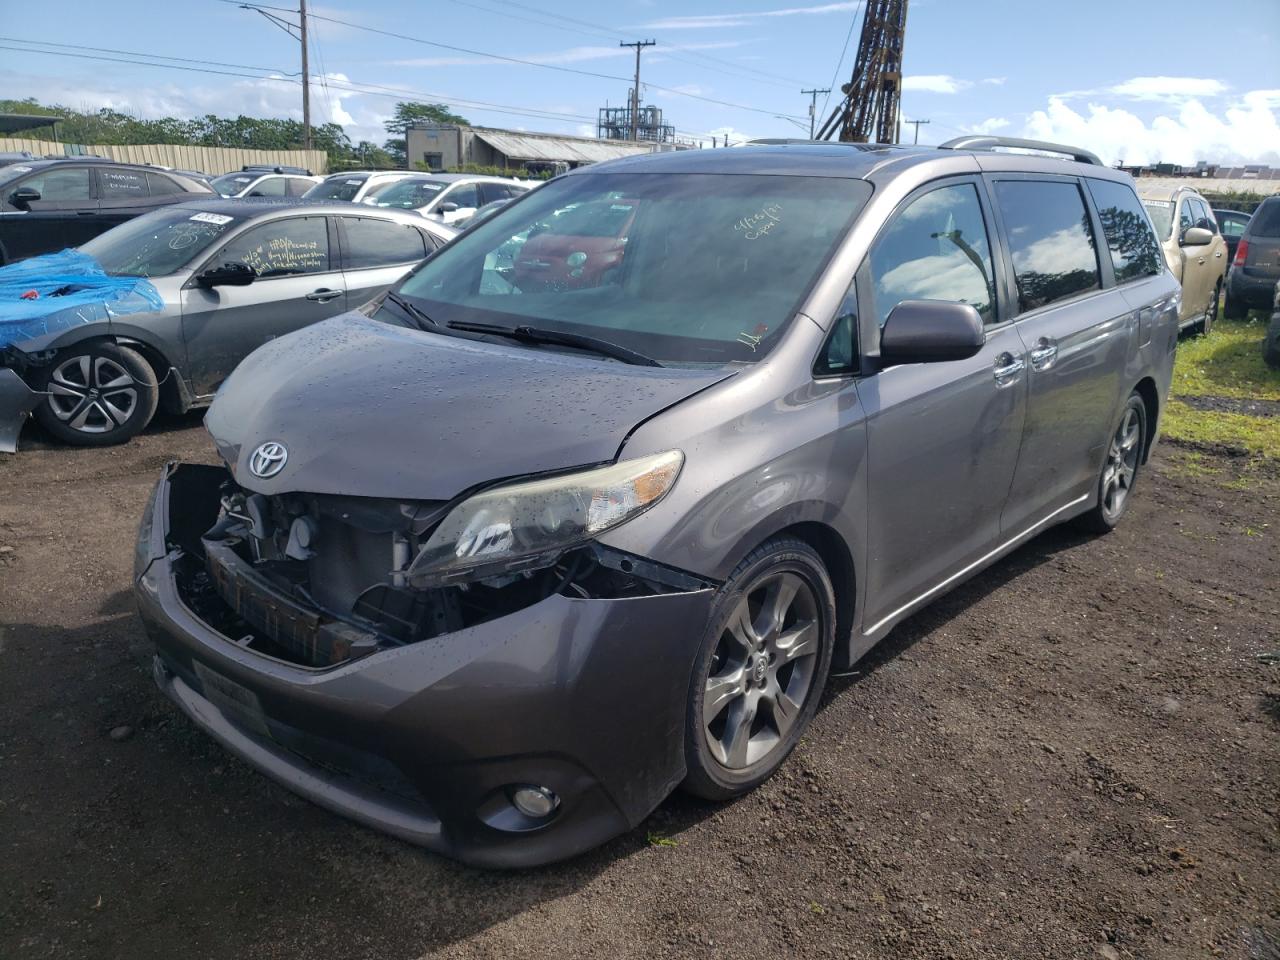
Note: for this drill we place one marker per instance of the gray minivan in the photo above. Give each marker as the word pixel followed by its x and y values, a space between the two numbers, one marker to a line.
pixel 590 507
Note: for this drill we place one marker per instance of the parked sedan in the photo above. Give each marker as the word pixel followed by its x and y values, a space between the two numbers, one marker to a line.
pixel 497 566
pixel 352 186
pixel 46 205
pixel 232 275
pixel 257 183
pixel 448 197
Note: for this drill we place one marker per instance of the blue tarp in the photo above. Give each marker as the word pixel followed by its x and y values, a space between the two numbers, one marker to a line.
pixel 73 290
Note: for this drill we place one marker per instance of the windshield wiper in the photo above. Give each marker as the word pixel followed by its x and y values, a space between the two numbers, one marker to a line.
pixel 527 334
pixel 416 312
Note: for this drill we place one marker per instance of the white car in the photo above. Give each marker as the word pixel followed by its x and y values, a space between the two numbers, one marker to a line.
pixel 258 183
pixel 447 197
pixel 353 185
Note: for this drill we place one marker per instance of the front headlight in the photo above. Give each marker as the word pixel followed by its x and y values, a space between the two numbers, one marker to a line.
pixel 527 525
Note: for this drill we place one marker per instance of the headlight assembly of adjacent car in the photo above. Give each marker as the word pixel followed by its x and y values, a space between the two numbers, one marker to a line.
pixel 527 525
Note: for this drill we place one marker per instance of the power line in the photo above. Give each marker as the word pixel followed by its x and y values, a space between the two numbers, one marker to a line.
pixel 813 104
pixel 518 60
pixel 635 91
pixel 916 138
pixel 840 63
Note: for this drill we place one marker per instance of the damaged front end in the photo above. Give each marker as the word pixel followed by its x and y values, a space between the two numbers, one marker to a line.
pixel 17 400
pixel 319 580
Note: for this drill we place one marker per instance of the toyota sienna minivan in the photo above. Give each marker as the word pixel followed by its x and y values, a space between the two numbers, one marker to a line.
pixel 499 561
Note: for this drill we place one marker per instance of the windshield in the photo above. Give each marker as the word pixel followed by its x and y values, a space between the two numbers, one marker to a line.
pixel 336 188
pixel 684 268
pixel 232 183
pixel 1161 212
pixel 159 243
pixel 405 194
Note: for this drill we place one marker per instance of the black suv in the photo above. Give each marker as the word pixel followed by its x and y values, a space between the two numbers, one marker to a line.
pixel 47 205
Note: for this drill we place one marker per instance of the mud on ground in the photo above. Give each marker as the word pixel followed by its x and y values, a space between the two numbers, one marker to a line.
pixel 1074 755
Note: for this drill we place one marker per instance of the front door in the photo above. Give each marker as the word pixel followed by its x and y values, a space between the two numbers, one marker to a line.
pixel 1077 334
pixel 1198 274
pixel 942 438
pixel 64 216
pixel 296 285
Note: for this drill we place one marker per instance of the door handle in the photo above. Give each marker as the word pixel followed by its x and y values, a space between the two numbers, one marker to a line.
pixel 1200 261
pixel 1044 353
pixel 1007 369
pixel 323 295
pixel 1218 254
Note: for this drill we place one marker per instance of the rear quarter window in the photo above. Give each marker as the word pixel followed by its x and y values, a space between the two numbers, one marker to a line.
pixel 1135 252
pixel 1050 240
pixel 1266 220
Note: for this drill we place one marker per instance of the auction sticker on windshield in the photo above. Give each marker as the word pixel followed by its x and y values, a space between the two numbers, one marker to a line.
pixel 217 218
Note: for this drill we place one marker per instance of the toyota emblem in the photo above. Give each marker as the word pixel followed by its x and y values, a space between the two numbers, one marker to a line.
pixel 268 460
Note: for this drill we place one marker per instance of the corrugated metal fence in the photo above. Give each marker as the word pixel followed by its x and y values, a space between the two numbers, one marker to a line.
pixel 212 160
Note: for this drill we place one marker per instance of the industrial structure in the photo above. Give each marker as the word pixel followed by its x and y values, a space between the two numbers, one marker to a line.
pixel 445 146
pixel 644 124
pixel 869 111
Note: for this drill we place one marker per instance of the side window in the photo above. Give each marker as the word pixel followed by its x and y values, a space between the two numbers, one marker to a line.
pixel 1231 227
pixel 379 243
pixel 839 355
pixel 297 186
pixel 1204 217
pixel 1050 239
pixel 123 184
pixel 60 184
pixel 268 187
pixel 464 196
pixel 1135 252
pixel 490 192
pixel 281 248
pixel 935 249
pixel 162 186
pixel 1186 216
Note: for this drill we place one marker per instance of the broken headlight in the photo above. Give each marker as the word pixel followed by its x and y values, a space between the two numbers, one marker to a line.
pixel 526 525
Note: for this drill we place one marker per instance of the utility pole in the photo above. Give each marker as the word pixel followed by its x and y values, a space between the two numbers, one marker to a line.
pixel 813 106
pixel 635 92
pixel 301 35
pixel 916 138
pixel 306 77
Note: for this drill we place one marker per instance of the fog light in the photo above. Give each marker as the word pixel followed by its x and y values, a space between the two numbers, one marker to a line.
pixel 534 802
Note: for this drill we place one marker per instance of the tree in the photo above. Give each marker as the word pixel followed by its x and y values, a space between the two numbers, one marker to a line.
pixel 408 114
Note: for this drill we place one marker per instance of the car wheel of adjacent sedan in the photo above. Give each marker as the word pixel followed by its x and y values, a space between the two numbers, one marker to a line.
pixel 1212 315
pixel 761 670
pixel 98 394
pixel 1120 471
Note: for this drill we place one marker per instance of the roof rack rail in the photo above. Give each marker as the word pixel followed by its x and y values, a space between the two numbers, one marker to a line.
pixel 988 143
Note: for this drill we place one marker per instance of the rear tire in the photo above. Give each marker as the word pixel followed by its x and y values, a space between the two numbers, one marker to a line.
pixel 761 670
pixel 1120 470
pixel 98 394
pixel 1234 309
pixel 1271 346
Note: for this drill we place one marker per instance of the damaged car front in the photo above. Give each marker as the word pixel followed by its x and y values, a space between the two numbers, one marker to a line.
pixel 396 595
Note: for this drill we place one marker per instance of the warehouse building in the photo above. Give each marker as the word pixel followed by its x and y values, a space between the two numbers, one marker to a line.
pixel 447 146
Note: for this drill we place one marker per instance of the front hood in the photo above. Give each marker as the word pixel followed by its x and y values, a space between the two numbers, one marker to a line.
pixel 365 408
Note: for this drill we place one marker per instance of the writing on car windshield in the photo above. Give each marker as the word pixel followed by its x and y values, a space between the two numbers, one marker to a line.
pixel 159 243
pixel 676 267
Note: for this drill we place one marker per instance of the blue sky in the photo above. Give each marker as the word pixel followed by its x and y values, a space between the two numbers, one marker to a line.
pixel 1135 82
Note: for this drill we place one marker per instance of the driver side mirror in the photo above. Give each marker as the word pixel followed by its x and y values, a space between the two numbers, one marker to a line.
pixel 930 331
pixel 21 197
pixel 448 207
pixel 1196 237
pixel 227 275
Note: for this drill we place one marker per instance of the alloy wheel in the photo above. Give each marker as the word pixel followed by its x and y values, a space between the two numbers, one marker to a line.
pixel 1122 463
pixel 92 394
pixel 762 670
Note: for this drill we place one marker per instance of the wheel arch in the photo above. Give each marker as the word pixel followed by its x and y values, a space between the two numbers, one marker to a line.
pixel 174 398
pixel 1146 389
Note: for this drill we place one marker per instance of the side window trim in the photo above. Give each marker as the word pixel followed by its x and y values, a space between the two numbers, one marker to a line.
pixel 1006 253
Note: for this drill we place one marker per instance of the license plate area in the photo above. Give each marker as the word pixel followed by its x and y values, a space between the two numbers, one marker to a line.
pixel 236 701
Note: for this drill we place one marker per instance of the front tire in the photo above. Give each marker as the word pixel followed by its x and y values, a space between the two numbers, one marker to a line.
pixel 1207 324
pixel 1120 471
pixel 98 394
pixel 761 670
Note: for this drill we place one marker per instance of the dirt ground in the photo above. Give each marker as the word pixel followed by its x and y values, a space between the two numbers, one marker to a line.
pixel 1074 755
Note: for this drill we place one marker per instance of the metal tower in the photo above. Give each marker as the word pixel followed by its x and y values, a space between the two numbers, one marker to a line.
pixel 869 110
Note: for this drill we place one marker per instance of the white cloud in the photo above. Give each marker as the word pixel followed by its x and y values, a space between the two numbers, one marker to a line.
pixel 934 83
pixel 990 125
pixel 713 20
pixel 994 81
pixel 1247 131
pixel 1167 89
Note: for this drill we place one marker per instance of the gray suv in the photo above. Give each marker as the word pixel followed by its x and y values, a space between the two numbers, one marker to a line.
pixel 593 504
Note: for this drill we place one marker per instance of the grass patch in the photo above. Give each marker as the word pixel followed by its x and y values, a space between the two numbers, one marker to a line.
pixel 1257 436
pixel 1226 363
